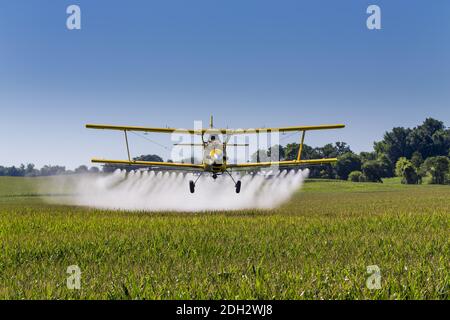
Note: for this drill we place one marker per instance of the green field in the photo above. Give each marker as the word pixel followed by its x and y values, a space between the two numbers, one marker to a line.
pixel 317 246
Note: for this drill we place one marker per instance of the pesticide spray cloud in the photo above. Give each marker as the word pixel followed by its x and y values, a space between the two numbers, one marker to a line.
pixel 169 191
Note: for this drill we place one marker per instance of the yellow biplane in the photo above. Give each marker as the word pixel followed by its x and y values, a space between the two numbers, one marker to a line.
pixel 215 151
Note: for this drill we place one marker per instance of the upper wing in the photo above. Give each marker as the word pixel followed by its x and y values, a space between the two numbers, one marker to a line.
pixel 215 130
pixel 146 129
pixel 284 129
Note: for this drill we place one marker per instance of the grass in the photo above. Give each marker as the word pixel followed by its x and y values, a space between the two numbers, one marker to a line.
pixel 316 246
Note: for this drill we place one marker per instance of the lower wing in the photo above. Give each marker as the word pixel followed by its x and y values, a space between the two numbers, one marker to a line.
pixel 152 164
pixel 287 163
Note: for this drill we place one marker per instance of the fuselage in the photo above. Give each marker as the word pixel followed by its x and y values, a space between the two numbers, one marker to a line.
pixel 214 155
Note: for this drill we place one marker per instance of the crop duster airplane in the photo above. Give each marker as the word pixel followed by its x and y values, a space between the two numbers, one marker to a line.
pixel 215 151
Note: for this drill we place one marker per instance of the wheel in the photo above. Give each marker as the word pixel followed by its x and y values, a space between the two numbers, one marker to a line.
pixel 238 186
pixel 191 186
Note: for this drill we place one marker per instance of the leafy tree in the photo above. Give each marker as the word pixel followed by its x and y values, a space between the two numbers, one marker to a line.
pixel 395 144
pixel 410 175
pixel 333 150
pixel 417 159
pixel 14 171
pixel 109 167
pixel 291 151
pixel 82 169
pixel 437 168
pixel 355 176
pixel 430 139
pixel 277 151
pixel 402 161
pixel 325 174
pixel 347 163
pixel 192 160
pixel 49 170
pixel 386 165
pixel 372 171
pixel 94 170
pixel 30 170
pixel 366 156
pixel 342 148
pixel 149 157
pixel 405 169
pixel 259 156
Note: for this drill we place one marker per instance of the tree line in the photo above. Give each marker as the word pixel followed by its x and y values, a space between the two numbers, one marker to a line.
pixel 419 154
pixel 30 170
pixel 415 154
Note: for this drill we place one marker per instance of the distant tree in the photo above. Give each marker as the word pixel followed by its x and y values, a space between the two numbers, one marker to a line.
pixel 395 144
pixel 49 170
pixel 327 151
pixel 366 156
pixel 405 169
pixel 82 169
pixel 387 167
pixel 416 159
pixel 325 174
pixel 291 151
pixel 401 162
pixel 430 139
pixel 372 171
pixel 14 171
pixel 333 150
pixel 259 156
pixel 149 157
pixel 192 160
pixel 355 176
pixel 308 152
pixel 347 163
pixel 410 175
pixel 276 153
pixel 30 170
pixel 342 148
pixel 108 167
pixel 437 168
pixel 94 170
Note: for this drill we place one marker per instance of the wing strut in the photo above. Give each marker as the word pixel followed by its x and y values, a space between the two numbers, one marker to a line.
pixel 126 142
pixel 300 148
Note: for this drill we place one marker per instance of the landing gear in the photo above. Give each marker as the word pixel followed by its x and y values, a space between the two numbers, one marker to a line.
pixel 238 186
pixel 192 183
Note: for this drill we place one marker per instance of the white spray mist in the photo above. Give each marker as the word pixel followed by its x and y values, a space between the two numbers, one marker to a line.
pixel 169 191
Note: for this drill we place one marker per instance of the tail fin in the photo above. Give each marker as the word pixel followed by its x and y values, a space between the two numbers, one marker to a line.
pixel 211 122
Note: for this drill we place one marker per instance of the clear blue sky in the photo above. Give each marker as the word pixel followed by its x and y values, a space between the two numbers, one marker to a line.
pixel 249 62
